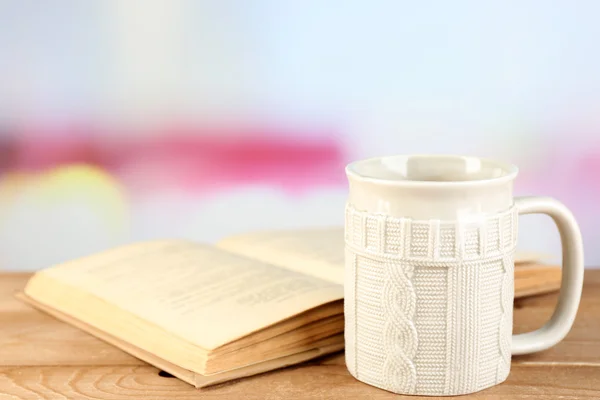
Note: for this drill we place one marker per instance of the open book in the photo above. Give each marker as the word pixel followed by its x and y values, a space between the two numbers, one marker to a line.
pixel 209 314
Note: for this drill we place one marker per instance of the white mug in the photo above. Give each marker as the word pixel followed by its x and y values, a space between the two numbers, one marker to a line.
pixel 429 282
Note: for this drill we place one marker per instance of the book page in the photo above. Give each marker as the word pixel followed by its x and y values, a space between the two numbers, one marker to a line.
pixel 316 252
pixel 205 295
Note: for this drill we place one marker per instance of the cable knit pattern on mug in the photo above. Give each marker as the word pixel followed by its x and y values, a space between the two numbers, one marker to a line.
pixel 428 302
pixel 400 334
pixel 506 320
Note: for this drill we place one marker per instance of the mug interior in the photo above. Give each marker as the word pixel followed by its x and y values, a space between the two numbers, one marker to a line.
pixel 431 168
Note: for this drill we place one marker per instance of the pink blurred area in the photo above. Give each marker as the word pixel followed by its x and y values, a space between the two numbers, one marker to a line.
pixel 568 170
pixel 71 190
pixel 196 159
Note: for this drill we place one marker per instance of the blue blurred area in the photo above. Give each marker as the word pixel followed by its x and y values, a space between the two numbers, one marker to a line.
pixel 482 63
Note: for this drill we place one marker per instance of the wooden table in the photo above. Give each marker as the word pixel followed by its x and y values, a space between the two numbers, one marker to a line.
pixel 44 358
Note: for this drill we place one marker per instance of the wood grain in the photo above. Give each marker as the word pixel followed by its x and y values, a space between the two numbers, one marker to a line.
pixel 313 381
pixel 41 358
pixel 29 337
pixel 582 344
pixel 10 283
pixel 33 338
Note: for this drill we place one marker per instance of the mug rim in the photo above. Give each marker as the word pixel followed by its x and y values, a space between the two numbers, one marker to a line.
pixel 510 171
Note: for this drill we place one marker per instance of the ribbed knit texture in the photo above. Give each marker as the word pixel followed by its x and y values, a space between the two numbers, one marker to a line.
pixel 428 304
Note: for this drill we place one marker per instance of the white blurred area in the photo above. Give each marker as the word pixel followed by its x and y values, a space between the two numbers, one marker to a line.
pixel 465 77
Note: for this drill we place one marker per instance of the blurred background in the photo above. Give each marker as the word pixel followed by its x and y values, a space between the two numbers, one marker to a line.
pixel 130 120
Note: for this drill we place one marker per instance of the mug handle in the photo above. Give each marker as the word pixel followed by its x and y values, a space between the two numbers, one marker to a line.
pixel 572 276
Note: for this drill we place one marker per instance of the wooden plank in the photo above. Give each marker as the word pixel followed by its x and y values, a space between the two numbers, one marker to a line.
pixel 314 381
pixel 33 338
pixel 29 337
pixel 582 344
pixel 44 358
pixel 10 283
